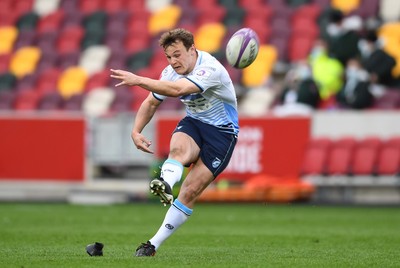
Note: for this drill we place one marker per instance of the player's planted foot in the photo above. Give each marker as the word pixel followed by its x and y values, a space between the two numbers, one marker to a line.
pixel 145 250
pixel 95 249
pixel 162 189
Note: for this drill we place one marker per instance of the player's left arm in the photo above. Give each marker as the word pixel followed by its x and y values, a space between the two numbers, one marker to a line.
pixel 177 88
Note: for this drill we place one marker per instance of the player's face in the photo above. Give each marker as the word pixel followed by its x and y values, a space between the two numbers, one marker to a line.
pixel 181 59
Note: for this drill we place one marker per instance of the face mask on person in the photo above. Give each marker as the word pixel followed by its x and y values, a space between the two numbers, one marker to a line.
pixel 354 73
pixel 303 72
pixel 334 30
pixel 317 51
pixel 365 48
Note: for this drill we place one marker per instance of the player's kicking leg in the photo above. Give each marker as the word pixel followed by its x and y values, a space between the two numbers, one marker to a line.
pixel 161 188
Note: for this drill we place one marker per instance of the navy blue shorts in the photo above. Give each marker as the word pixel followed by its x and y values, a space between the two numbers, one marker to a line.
pixel 216 147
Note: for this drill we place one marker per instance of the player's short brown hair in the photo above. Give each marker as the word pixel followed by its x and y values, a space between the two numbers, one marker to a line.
pixel 179 34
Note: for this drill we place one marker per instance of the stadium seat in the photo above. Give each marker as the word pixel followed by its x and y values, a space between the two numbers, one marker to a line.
pixel 137 6
pixel 339 161
pixel 8 35
pixel 25 38
pixel 26 100
pixel 98 101
pixel 259 71
pixel 99 79
pixel 117 60
pixel 27 82
pixel 297 3
pixel 234 16
pixel 388 161
pixel 135 42
pixel 47 80
pixel 139 60
pixel 281 46
pixel 22 6
pixel 7 81
pixel 123 100
pixel 210 36
pixel 393 142
pixel 5 62
pixel 94 59
pixel 390 100
pixel 367 9
pixel 346 6
pixel 51 22
pixel 25 60
pixel 28 21
pixel 73 103
pixel 45 7
pixel 389 10
pixel 70 39
pixel 66 60
pixel 51 101
pixel 364 160
pixel 204 4
pixel 114 6
pixel 210 15
pixel 299 47
pixel 72 19
pixel 251 3
pixel 72 81
pixel 340 156
pixel 164 19
pixel 305 27
pixel 314 161
pixel 7 99
pixel 90 6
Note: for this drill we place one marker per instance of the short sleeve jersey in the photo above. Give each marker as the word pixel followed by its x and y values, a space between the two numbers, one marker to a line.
pixel 216 104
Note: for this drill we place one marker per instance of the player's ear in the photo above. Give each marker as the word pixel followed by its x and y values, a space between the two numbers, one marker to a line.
pixel 192 50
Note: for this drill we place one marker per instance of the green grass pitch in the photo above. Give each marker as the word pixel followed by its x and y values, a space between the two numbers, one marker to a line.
pixel 216 235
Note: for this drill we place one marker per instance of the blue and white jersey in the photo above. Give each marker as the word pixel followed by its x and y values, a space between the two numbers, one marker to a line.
pixel 216 103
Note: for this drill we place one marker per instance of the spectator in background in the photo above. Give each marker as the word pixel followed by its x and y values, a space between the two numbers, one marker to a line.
pixel 376 61
pixel 327 72
pixel 300 93
pixel 356 93
pixel 341 38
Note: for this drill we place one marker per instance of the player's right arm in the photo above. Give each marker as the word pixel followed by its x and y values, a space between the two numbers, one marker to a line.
pixel 143 117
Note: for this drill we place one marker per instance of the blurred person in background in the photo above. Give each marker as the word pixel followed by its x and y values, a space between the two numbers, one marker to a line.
pixel 376 61
pixel 342 39
pixel 327 72
pixel 205 138
pixel 356 92
pixel 300 93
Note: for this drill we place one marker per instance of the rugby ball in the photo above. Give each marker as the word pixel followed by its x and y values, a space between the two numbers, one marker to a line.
pixel 242 48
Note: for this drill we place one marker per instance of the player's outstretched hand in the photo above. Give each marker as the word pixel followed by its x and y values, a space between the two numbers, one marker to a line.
pixel 141 143
pixel 127 78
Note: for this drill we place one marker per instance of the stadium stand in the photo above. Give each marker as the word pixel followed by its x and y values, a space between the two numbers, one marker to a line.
pixel 127 32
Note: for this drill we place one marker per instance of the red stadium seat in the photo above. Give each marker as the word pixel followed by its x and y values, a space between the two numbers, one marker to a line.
pixel 27 100
pixel 300 47
pixel 388 161
pixel 5 62
pixel 339 161
pixel 51 22
pixel 364 160
pixel 100 79
pixel 314 162
pixel 393 142
pixel 316 155
pixel 340 156
pixel 114 6
pixel 90 6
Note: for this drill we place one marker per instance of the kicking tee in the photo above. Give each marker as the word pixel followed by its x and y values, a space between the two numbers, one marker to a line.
pixel 216 103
